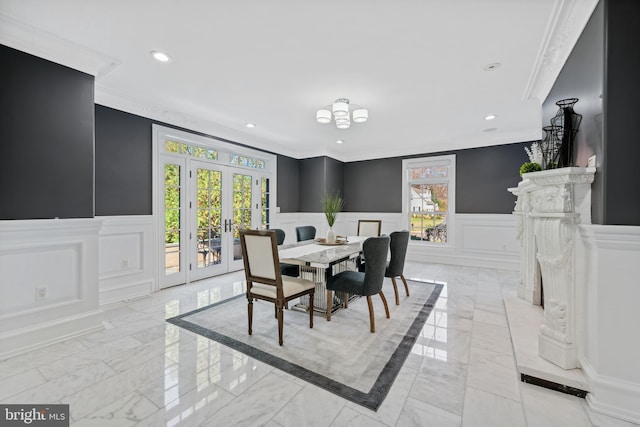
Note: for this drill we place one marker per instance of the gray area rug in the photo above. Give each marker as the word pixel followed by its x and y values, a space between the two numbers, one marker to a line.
pixel 340 356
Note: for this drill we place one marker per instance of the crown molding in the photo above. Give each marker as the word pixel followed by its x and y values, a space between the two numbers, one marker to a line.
pixel 29 39
pixel 565 25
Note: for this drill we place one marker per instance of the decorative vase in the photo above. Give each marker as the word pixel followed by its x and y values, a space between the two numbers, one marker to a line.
pixel 331 236
pixel 568 122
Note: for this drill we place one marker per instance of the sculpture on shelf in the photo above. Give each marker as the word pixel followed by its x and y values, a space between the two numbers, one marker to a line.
pixel 550 145
pixel 565 123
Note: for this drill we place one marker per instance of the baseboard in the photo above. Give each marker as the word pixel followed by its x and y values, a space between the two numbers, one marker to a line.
pixel 125 291
pixel 41 335
pixel 612 396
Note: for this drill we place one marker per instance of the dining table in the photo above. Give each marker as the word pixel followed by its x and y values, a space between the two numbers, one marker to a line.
pixel 319 261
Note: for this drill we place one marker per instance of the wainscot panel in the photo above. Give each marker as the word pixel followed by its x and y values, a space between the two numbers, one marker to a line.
pixel 49 289
pixel 126 263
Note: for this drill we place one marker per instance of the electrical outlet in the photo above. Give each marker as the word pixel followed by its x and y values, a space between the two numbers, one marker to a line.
pixel 41 292
pixel 125 263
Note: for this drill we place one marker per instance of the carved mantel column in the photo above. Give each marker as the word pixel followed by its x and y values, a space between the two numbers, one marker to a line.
pixel 550 205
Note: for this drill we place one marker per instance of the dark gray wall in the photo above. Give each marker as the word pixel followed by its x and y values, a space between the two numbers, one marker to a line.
pixel 582 77
pixel 288 188
pixel 123 163
pixel 311 183
pixel 373 185
pixel 334 176
pixel 621 107
pixel 483 176
pixel 46 139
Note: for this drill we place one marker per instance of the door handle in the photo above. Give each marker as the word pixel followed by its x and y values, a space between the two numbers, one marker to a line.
pixel 225 225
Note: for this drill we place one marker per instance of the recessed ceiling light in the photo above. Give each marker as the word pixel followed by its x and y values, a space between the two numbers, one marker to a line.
pixel 339 141
pixel 492 66
pixel 160 56
pixel 490 117
pixel 250 125
pixel 490 130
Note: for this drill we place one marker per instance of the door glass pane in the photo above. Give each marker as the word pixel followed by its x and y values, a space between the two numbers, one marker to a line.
pixel 172 219
pixel 428 212
pixel 264 211
pixel 209 208
pixel 241 209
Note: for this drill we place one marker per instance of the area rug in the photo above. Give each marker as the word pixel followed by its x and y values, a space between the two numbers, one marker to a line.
pixel 341 356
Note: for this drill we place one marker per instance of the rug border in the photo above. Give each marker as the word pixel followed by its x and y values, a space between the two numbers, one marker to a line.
pixel 378 392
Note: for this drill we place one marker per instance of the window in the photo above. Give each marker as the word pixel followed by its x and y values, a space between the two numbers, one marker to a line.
pixel 429 198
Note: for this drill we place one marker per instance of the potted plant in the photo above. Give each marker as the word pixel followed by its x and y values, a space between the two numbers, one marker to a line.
pixel 331 203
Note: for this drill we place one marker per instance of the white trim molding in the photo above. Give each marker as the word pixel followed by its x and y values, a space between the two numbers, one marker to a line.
pixel 49 289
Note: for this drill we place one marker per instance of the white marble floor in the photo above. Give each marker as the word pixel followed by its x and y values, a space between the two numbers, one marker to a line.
pixel 143 371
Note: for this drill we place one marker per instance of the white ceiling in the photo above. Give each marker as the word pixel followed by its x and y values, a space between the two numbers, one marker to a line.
pixel 417 65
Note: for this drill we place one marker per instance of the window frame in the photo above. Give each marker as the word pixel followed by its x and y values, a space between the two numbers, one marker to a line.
pixel 449 160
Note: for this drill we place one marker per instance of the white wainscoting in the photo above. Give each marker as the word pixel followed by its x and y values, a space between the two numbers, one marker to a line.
pixel 481 240
pixel 48 282
pixel 610 359
pixel 127 258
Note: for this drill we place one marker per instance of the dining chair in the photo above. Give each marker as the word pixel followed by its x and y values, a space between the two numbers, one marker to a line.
pixel 365 284
pixel 264 279
pixel 292 270
pixel 369 227
pixel 305 232
pixel 395 266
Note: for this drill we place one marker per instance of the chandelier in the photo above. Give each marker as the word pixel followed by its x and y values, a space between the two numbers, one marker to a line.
pixel 343 113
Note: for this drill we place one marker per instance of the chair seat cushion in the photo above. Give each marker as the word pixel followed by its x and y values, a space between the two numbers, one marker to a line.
pixel 347 281
pixel 290 286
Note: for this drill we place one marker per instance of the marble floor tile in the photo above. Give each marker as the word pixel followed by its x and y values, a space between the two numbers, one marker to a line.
pixel 546 408
pixel 493 372
pixel 124 412
pixel 312 406
pixel 15 384
pixel 144 371
pixel 258 404
pixel 420 414
pixel 482 409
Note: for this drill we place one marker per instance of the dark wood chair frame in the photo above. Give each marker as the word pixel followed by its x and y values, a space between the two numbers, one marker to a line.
pixel 377 221
pixel 280 301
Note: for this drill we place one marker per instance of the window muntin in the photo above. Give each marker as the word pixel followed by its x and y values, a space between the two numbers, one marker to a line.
pixel 248 162
pixel 190 150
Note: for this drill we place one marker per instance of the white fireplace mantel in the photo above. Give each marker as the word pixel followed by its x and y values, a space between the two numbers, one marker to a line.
pixel 549 207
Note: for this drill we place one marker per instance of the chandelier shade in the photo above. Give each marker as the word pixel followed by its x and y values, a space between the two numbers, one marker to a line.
pixel 343 113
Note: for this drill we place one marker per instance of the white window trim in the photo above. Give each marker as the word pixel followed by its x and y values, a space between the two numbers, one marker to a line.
pixel 451 180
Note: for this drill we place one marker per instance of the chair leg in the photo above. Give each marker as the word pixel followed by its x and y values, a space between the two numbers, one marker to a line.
pixel 395 290
pixel 280 323
pixel 346 300
pixel 329 305
pixel 311 295
pixel 384 301
pixel 372 321
pixel 406 287
pixel 250 313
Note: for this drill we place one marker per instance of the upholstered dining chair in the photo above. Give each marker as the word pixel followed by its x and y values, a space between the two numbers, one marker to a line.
pixel 395 266
pixel 305 232
pixel 264 280
pixel 369 227
pixel 286 269
pixel 365 284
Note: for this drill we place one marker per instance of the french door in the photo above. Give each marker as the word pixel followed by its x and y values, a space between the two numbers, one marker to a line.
pixel 205 206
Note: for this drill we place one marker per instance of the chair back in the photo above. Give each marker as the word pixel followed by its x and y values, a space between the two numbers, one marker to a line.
pixel 279 235
pixel 399 243
pixel 306 232
pixel 369 227
pixel 260 255
pixel 375 251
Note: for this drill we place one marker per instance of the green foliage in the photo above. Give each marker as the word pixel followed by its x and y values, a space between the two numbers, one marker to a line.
pixel 331 203
pixel 529 167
